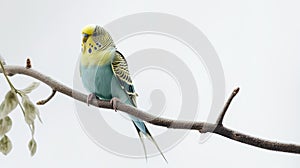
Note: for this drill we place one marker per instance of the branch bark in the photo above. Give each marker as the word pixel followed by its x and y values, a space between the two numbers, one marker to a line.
pixel 202 127
pixel 222 114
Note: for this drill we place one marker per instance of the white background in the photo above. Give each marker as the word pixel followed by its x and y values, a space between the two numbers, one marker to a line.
pixel 257 43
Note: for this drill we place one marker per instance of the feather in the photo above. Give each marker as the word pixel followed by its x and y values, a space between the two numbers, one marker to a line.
pixel 120 69
pixel 104 72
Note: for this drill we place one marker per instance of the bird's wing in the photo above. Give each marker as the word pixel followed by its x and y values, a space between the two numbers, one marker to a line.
pixel 120 69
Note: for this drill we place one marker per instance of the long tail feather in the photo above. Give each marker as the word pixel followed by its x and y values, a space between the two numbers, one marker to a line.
pixel 143 130
pixel 142 141
pixel 154 142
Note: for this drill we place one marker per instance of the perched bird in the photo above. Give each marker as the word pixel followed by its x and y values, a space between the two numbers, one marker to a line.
pixel 104 73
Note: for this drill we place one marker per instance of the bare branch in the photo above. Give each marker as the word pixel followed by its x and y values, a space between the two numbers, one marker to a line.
pixel 221 117
pixel 169 123
pixel 43 102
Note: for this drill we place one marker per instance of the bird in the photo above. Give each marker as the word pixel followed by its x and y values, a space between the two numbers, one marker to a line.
pixel 104 73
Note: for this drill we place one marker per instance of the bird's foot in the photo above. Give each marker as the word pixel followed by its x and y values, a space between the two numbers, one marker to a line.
pixel 90 98
pixel 114 102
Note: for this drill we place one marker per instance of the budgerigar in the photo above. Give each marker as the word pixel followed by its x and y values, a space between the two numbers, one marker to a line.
pixel 104 73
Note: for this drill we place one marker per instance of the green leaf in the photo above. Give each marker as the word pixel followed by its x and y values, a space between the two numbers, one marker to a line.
pixel 30 88
pixel 32 146
pixel 5 125
pixel 30 110
pixel 10 103
pixel 5 145
pixel 37 112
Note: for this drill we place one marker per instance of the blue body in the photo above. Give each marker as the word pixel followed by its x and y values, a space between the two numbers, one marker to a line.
pixel 101 81
pixel 97 80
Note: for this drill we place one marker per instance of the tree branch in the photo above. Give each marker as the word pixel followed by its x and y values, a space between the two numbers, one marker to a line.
pixel 216 128
pixel 221 117
pixel 43 102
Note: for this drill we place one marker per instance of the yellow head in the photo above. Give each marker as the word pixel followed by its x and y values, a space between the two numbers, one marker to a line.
pixel 95 38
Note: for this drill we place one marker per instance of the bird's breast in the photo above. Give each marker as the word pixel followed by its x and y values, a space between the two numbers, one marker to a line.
pixel 98 80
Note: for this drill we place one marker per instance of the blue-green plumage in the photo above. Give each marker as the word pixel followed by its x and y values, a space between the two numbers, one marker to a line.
pixel 104 73
pixel 101 81
pixel 97 80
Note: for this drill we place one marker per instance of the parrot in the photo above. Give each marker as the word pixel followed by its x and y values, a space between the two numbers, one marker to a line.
pixel 104 73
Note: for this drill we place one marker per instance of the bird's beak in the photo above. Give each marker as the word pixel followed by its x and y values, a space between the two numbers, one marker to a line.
pixel 84 38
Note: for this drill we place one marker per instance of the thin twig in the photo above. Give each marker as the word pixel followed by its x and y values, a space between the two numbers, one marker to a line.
pixel 169 123
pixel 43 102
pixel 227 104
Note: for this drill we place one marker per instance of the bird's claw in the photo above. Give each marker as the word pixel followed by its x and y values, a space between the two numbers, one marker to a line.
pixel 114 102
pixel 90 98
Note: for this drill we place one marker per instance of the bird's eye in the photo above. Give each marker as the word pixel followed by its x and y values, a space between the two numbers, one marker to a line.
pixel 84 37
